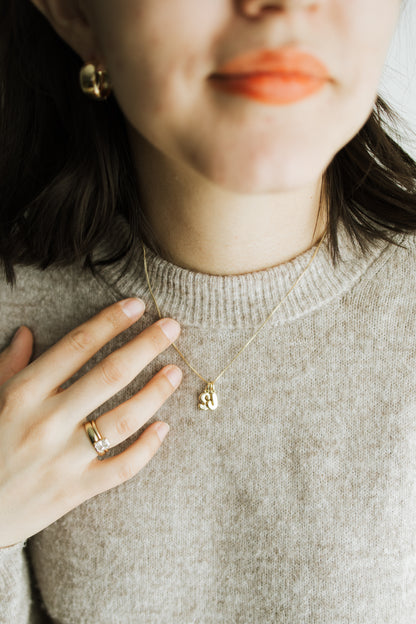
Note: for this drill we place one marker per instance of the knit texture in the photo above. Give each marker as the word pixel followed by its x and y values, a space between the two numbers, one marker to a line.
pixel 294 502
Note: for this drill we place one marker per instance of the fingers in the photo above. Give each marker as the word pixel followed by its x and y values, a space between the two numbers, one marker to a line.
pixel 123 421
pixel 17 355
pixel 56 365
pixel 116 370
pixel 39 460
pixel 100 476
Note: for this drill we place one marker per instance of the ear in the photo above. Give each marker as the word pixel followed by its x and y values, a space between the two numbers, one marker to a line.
pixel 71 23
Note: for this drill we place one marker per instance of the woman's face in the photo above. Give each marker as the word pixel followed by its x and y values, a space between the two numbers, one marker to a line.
pixel 160 55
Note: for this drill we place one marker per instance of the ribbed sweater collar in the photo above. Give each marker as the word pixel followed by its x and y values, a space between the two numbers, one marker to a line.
pixel 245 300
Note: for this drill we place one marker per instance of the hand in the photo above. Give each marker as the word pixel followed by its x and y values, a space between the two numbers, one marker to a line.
pixel 48 465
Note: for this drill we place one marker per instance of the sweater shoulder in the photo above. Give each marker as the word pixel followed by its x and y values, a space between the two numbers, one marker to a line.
pixel 49 301
pixel 398 263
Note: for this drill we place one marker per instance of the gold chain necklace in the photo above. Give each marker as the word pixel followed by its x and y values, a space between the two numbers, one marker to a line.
pixel 208 398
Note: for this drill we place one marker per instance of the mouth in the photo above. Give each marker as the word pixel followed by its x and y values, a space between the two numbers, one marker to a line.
pixel 275 77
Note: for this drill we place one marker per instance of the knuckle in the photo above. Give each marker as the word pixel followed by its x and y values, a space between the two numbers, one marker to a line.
pixel 124 426
pixel 115 317
pixel 70 495
pixel 79 340
pixel 125 471
pixel 112 371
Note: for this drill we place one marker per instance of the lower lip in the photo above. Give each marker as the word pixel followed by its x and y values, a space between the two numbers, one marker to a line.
pixel 277 88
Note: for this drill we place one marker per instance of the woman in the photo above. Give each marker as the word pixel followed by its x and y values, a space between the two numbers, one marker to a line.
pixel 227 164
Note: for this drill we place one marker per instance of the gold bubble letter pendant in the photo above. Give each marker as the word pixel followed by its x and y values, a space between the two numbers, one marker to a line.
pixel 208 398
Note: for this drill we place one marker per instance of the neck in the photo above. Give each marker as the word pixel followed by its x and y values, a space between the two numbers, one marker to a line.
pixel 204 228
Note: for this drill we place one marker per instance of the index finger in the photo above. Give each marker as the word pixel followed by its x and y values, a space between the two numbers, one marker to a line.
pixel 56 365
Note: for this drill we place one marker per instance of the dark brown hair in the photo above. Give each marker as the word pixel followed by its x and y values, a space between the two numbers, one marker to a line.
pixel 67 174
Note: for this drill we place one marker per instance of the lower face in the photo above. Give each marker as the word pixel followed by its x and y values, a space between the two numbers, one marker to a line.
pixel 160 57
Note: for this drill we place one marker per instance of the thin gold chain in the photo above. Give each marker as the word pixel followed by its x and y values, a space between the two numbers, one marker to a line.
pixel 252 338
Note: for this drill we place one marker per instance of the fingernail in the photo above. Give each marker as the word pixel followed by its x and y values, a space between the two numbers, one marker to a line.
pixel 174 374
pixel 133 307
pixel 161 429
pixel 170 328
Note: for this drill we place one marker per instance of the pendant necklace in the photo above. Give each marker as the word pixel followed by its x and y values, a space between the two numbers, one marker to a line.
pixel 208 399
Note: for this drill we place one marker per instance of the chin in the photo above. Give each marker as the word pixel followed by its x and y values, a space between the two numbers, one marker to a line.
pixel 276 174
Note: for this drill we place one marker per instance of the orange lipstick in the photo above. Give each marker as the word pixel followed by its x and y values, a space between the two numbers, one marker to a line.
pixel 275 77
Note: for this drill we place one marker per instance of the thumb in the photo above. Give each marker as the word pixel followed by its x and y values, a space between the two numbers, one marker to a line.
pixel 17 355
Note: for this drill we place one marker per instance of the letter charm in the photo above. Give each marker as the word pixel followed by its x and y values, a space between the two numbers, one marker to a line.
pixel 208 398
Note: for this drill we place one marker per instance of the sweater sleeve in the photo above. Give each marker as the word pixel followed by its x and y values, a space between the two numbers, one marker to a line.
pixel 17 602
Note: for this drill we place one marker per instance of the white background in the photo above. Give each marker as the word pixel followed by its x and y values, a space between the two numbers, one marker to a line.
pixel 398 84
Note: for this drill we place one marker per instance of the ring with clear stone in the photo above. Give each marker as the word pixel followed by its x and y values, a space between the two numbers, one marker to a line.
pixel 100 444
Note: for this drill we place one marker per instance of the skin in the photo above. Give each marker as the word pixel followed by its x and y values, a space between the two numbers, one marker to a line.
pixel 48 464
pixel 240 178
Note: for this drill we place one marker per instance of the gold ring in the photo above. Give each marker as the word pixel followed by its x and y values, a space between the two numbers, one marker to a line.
pixel 100 444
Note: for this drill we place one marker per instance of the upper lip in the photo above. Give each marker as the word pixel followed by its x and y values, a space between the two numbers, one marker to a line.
pixel 287 59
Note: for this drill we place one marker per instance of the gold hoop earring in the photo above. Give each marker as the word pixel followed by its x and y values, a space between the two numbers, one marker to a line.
pixel 94 82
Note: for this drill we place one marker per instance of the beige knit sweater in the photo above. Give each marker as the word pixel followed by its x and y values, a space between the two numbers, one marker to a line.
pixel 294 502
